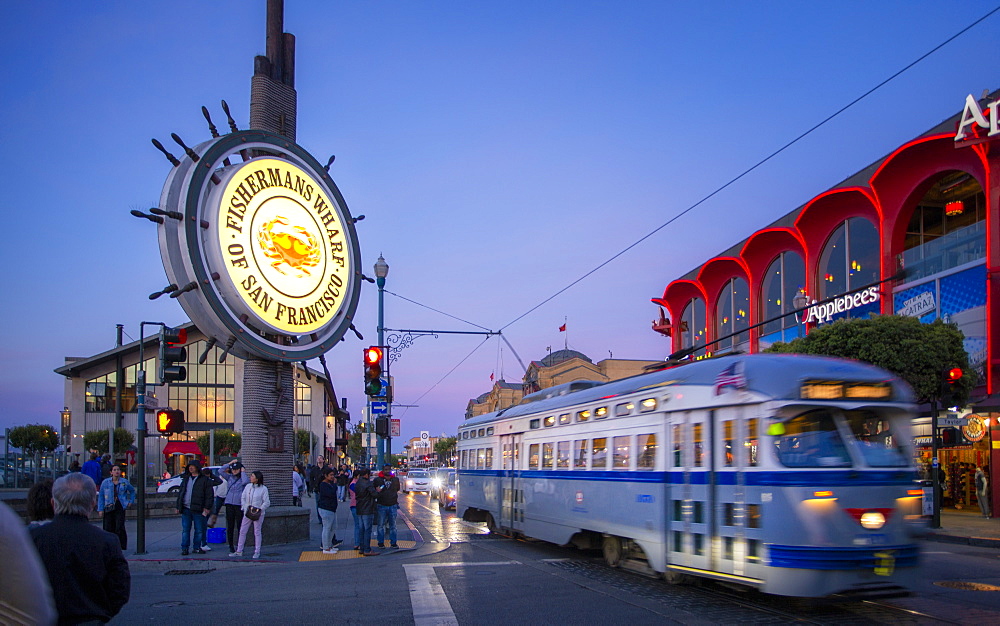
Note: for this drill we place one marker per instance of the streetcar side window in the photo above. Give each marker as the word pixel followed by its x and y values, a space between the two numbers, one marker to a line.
pixel 580 454
pixel 517 455
pixel 621 456
pixel 727 443
pixel 481 459
pixel 488 461
pixel 753 516
pixel 698 445
pixel 879 444
pixel 547 456
pixel 505 456
pixel 582 416
pixel 600 412
pixel 533 456
pixel 461 459
pixel 751 444
pixel 811 440
pixel 678 446
pixel 678 511
pixel 599 453
pixel 645 446
pixel 549 421
pixel 562 455
pixel 623 409
pixel 482 432
pixel 647 405
pixel 564 418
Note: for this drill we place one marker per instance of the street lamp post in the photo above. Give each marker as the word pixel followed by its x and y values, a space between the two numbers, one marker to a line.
pixel 381 271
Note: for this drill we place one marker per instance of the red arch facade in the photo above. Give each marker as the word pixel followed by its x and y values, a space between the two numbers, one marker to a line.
pixel 887 199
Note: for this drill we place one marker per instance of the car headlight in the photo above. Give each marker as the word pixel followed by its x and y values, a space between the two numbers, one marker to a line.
pixel 409 483
pixel 452 494
pixel 436 482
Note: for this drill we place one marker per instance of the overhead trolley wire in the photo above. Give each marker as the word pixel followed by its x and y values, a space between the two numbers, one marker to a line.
pixel 752 168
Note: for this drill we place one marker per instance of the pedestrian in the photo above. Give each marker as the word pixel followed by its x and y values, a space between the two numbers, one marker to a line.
pixel 194 503
pixel 115 495
pixel 74 466
pixel 343 479
pixel 327 496
pixel 354 513
pixel 236 480
pixel 314 482
pixel 219 491
pixel 86 569
pixel 92 468
pixel 39 504
pixel 387 504
pixel 25 594
pixel 255 502
pixel 105 467
pixel 365 493
pixel 298 486
pixel 983 491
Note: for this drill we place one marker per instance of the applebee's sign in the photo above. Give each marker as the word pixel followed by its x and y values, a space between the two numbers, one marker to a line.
pixel 820 313
pixel 973 114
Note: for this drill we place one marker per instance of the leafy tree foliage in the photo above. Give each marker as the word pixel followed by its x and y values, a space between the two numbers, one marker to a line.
pixel 98 440
pixel 918 353
pixel 355 447
pixel 227 442
pixel 445 448
pixel 303 443
pixel 34 438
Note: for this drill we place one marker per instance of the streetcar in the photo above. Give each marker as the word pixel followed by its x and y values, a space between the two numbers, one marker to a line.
pixel 791 474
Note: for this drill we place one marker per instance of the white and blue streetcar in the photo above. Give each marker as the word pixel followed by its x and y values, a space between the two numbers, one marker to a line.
pixel 792 474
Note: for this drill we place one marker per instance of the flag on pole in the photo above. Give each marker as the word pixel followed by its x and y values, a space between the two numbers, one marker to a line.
pixel 731 377
pixel 562 328
pixel 491 376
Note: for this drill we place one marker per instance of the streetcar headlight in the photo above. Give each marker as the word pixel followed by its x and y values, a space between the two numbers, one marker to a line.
pixel 451 494
pixel 872 520
pixel 436 482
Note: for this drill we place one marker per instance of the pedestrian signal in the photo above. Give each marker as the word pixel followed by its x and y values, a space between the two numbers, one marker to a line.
pixel 170 421
pixel 172 351
pixel 382 426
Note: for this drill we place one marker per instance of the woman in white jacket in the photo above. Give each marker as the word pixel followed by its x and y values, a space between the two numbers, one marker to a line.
pixel 255 495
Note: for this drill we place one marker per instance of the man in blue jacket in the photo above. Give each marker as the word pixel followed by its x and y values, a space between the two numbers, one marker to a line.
pixel 92 468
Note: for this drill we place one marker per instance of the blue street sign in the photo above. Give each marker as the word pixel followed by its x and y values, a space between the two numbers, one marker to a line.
pixel 379 407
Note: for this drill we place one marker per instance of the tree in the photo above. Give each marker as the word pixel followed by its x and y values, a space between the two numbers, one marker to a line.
pixel 98 440
pixel 355 447
pixel 227 442
pixel 445 448
pixel 34 439
pixel 916 352
pixel 304 441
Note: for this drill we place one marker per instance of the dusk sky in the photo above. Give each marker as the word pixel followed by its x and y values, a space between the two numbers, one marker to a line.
pixel 499 151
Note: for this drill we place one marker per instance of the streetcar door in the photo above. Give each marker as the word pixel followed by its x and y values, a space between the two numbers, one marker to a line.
pixel 511 499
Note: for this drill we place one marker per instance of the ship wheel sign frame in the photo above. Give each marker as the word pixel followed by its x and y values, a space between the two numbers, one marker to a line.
pixel 260 247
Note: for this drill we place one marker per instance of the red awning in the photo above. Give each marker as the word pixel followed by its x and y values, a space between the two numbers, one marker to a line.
pixel 181 447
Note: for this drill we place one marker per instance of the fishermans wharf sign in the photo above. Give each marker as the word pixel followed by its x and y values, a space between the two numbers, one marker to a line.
pixel 262 248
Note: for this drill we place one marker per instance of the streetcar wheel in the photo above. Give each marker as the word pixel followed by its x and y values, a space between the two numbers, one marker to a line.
pixel 676 578
pixel 613 552
pixel 491 523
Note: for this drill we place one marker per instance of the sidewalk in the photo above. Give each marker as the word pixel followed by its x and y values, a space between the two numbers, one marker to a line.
pixel 967 526
pixel 163 541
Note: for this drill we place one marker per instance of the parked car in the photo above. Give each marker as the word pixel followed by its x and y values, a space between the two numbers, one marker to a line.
pixel 448 497
pixel 417 480
pixel 173 484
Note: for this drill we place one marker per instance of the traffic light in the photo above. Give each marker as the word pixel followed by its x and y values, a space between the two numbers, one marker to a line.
pixel 172 351
pixel 382 426
pixel 373 371
pixel 170 421
pixel 949 391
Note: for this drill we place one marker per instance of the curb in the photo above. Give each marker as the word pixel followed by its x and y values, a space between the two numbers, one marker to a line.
pixel 979 542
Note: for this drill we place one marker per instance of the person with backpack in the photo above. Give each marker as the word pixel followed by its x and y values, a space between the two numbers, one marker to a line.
pixel 365 493
pixel 387 502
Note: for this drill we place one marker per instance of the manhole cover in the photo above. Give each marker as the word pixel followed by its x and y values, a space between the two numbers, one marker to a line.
pixel 967 586
pixel 167 604
pixel 187 572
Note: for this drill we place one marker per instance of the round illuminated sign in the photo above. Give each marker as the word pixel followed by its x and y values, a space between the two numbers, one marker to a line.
pixel 263 243
pixel 975 428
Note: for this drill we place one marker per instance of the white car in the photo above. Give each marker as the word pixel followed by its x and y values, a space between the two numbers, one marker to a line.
pixel 417 480
pixel 173 484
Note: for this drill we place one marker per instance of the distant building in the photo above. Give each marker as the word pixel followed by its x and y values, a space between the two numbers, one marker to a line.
pixel 562 366
pixel 210 396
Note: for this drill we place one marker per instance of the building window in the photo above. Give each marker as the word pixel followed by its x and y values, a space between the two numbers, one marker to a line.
pixel 850 260
pixel 784 279
pixel 692 325
pixel 732 315
pixel 100 391
pixel 947 228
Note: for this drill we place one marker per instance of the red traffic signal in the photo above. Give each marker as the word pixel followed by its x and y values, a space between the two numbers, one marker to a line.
pixel 170 421
pixel 373 355
pixel 953 375
pixel 373 371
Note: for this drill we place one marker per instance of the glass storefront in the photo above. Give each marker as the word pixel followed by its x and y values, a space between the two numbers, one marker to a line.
pixel 784 279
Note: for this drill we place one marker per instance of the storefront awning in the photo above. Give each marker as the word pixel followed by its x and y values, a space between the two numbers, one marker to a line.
pixel 181 447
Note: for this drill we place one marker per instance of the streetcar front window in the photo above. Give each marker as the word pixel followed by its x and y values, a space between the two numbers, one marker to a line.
pixel 811 440
pixel 873 434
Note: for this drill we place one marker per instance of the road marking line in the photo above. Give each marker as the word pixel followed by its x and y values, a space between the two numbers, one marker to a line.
pixel 427 597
